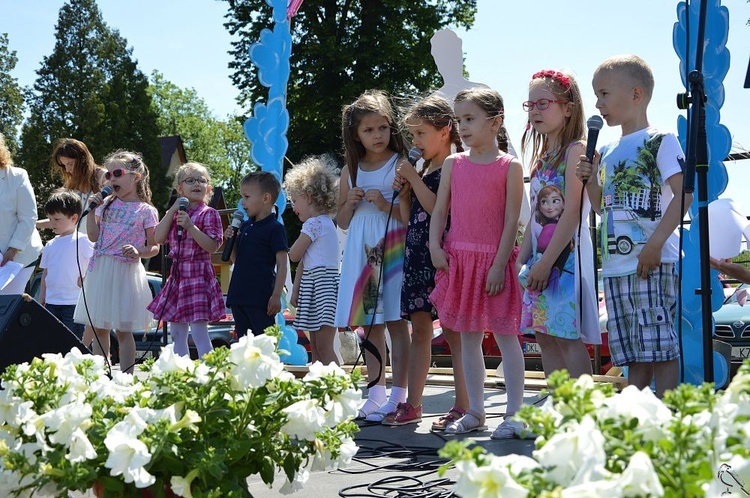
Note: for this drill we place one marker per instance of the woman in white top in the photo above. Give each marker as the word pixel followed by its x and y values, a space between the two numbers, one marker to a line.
pixel 19 240
pixel 72 161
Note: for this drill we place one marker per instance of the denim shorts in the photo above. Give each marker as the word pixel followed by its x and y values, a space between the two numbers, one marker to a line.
pixel 64 313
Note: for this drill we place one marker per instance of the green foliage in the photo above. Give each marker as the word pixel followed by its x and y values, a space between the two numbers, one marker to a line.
pixel 220 145
pixel 342 48
pixel 11 95
pixel 89 88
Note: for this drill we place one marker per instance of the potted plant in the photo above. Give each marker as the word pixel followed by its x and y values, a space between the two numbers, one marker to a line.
pixel 595 442
pixel 195 429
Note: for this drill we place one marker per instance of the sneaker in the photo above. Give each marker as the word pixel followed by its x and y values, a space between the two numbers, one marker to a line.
pixel 511 429
pixel 404 414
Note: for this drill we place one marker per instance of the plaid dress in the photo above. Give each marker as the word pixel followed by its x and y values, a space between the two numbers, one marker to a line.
pixel 191 293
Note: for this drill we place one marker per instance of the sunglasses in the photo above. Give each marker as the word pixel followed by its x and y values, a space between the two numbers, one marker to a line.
pixel 540 104
pixel 117 173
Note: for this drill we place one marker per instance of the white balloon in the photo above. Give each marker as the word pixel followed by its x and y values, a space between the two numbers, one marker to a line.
pixel 727 226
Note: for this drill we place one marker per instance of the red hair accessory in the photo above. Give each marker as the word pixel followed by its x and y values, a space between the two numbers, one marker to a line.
pixel 557 76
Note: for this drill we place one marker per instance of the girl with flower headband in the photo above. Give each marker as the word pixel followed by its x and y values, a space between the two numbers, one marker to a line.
pixel 115 291
pixel 432 125
pixel 312 187
pixel 476 283
pixel 372 268
pixel 559 304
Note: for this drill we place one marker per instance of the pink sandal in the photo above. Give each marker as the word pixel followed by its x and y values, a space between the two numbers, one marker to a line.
pixel 453 414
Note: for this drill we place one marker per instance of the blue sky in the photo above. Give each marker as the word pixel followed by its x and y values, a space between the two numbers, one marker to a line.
pixel 186 41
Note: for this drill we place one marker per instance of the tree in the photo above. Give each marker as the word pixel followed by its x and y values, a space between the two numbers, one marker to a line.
pixel 11 95
pixel 90 88
pixel 342 48
pixel 220 145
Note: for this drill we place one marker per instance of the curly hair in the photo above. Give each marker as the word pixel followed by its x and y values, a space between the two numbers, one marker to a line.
pixel 317 178
pixel 5 159
pixel 132 161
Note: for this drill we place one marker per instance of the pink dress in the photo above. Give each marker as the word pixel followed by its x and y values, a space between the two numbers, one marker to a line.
pixel 191 293
pixel 477 216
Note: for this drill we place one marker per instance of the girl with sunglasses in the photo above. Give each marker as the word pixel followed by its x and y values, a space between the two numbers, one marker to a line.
pixel 191 297
pixel 115 291
pixel 559 304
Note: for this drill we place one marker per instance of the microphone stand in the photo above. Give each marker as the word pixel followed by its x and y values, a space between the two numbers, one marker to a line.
pixel 696 162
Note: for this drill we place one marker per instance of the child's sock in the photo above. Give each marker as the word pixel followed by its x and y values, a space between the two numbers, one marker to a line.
pixel 398 395
pixel 375 398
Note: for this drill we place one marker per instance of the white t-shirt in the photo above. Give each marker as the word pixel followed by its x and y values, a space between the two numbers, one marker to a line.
pixel 324 250
pixel 635 194
pixel 59 259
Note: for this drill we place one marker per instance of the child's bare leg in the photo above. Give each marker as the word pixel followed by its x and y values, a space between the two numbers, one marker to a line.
pixel 420 354
pixel 400 342
pixel 88 336
pixel 513 368
pixel 127 350
pixel 667 376
pixel 321 343
pixel 459 378
pixel 575 356
pixel 101 342
pixel 640 374
pixel 552 356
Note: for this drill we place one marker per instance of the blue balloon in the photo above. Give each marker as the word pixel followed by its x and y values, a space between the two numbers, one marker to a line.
pixel 286 345
pixel 298 356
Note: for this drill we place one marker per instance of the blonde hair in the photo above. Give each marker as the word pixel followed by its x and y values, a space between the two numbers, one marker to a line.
pixel 564 87
pixel 317 178
pixel 132 161
pixel 5 159
pixel 192 167
pixel 370 102
pixel 633 68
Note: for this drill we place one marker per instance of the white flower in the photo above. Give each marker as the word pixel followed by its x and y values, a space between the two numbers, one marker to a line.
pixel 343 406
pixel 323 459
pixel 653 415
pixel 80 448
pixel 488 481
pixel 127 457
pixel 593 489
pixel 255 361
pixel 181 485
pixel 65 420
pixel 170 362
pixel 576 450
pixel 304 419
pixel 300 478
pixel 639 477
pixel 318 370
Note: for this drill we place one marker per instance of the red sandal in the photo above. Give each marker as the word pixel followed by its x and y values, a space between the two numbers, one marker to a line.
pixel 453 414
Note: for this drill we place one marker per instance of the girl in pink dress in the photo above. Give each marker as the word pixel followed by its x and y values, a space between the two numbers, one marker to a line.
pixel 476 285
pixel 191 296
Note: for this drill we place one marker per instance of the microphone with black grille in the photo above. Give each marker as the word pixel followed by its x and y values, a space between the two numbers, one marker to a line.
pixel 594 124
pixel 106 191
pixel 183 202
pixel 237 219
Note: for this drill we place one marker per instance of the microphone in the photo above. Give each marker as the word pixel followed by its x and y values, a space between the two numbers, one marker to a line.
pixel 594 124
pixel 415 154
pixel 183 202
pixel 237 219
pixel 106 190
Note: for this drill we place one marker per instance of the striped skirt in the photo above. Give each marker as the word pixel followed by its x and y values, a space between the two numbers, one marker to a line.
pixel 316 303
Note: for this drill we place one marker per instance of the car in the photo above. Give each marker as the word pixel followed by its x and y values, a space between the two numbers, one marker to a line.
pixel 624 230
pixel 732 323
pixel 221 333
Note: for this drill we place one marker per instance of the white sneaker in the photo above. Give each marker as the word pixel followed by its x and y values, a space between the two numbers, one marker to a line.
pixel 511 429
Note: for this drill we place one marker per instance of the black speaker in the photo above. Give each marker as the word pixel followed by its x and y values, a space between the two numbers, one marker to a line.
pixel 28 330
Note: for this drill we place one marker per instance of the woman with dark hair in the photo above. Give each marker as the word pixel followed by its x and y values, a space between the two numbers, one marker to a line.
pixel 19 240
pixel 72 161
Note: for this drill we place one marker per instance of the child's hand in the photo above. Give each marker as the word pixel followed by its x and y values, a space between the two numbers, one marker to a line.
pixel 130 251
pixel 648 259
pixel 95 199
pixel 406 171
pixel 274 305
pixel 538 277
pixel 585 170
pixel 495 280
pixel 228 233
pixel 376 197
pixel 400 184
pixel 79 281
pixel 183 219
pixel 354 196
pixel 439 258
pixel 294 297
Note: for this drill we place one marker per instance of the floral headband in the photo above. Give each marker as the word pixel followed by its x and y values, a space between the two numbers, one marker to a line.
pixel 557 76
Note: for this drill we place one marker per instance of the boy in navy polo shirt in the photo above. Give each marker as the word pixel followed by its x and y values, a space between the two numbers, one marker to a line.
pixel 259 257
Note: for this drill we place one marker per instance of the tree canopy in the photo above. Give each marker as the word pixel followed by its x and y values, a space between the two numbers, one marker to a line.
pixel 90 88
pixel 342 48
pixel 11 95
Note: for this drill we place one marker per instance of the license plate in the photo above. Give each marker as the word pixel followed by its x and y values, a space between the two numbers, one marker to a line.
pixel 740 352
pixel 531 348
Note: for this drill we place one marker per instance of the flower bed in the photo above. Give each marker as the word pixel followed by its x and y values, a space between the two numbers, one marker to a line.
pixel 593 442
pixel 200 428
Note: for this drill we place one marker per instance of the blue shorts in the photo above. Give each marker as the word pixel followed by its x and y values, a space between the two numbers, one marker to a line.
pixel 641 317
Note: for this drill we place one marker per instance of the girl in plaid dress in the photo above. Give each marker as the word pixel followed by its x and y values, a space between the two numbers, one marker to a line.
pixel 192 296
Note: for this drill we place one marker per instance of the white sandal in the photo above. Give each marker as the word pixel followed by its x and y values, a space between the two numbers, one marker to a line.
pixel 465 425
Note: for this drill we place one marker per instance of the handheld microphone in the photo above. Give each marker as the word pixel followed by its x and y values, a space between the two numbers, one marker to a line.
pixel 415 154
pixel 237 219
pixel 106 191
pixel 594 124
pixel 183 202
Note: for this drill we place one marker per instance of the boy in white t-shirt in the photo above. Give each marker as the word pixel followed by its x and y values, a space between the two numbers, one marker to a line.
pixel 63 276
